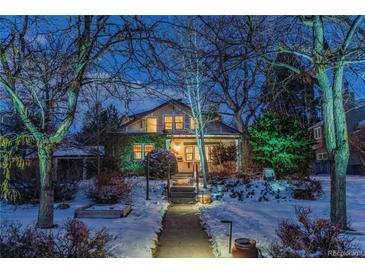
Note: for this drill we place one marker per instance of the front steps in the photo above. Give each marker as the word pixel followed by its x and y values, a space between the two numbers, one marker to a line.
pixel 182 194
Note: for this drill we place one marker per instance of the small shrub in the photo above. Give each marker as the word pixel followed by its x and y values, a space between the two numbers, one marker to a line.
pixel 29 191
pixel 108 177
pixel 109 188
pixel 311 238
pixel 160 159
pixel 307 190
pixel 78 242
pixel 74 240
pixel 65 191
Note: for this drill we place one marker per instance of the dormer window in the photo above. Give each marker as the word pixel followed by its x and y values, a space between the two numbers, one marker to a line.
pixel 179 121
pixel 168 122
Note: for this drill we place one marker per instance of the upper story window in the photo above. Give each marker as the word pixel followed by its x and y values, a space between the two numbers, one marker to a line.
pixel 192 123
pixel 167 122
pixel 179 121
pixel 317 133
pixel 151 124
pixel 173 121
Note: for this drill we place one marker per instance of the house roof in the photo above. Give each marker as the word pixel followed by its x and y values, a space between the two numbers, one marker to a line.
pixel 216 127
pixel 74 151
pixel 135 117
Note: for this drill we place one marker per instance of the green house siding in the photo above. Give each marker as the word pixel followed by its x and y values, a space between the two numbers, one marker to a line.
pixel 127 164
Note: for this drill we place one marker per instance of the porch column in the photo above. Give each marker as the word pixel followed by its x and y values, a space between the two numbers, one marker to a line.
pixel 168 142
pixel 84 168
pixel 238 144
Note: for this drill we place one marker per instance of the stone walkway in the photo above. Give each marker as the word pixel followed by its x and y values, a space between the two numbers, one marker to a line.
pixel 183 236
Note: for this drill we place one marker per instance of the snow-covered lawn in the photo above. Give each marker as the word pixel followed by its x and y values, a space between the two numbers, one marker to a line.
pixel 259 220
pixel 133 236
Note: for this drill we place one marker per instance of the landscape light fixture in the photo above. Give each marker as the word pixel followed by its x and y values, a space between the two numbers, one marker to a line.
pixel 230 233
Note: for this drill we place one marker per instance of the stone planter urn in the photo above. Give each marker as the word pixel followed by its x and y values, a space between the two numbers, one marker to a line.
pixel 245 248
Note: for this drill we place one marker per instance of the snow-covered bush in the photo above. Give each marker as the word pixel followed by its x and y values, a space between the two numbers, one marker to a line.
pixel 311 238
pixel 307 190
pixel 65 191
pixel 260 191
pixel 160 159
pixel 74 240
pixel 29 191
pixel 109 188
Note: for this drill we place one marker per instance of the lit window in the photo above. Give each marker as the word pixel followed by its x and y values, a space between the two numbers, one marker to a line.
pixel 168 122
pixel 197 155
pixel 151 124
pixel 189 153
pixel 179 121
pixel 137 152
pixel 148 148
pixel 317 133
pixel 192 124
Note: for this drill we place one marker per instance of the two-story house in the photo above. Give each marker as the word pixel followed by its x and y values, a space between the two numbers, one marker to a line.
pixel 355 117
pixel 169 126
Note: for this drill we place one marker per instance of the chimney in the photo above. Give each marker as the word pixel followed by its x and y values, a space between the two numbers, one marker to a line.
pixel 217 118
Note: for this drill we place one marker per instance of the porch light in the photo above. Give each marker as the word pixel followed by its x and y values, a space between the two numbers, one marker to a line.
pixel 176 147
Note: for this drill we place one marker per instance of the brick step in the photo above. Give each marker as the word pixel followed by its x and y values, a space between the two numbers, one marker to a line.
pixel 182 194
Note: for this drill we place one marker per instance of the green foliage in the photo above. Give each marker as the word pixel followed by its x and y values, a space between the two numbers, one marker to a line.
pixel 10 156
pixel 127 164
pixel 282 144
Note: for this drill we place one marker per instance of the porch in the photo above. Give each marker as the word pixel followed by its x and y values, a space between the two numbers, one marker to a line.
pixel 187 154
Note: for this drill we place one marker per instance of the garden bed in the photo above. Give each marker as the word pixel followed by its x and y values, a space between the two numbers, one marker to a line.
pixel 103 211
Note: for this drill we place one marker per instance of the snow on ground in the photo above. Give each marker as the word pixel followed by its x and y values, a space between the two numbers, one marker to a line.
pixel 133 236
pixel 259 220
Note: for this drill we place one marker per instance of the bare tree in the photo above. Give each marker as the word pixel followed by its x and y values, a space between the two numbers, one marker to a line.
pixel 328 47
pixel 235 72
pixel 46 57
pixel 194 78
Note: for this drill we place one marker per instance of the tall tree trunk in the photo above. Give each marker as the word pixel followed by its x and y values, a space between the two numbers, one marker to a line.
pixel 203 159
pixel 45 213
pixel 335 129
pixel 243 140
pixel 341 155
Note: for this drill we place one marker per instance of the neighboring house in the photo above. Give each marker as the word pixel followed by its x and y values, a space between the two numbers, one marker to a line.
pixel 355 122
pixel 168 126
